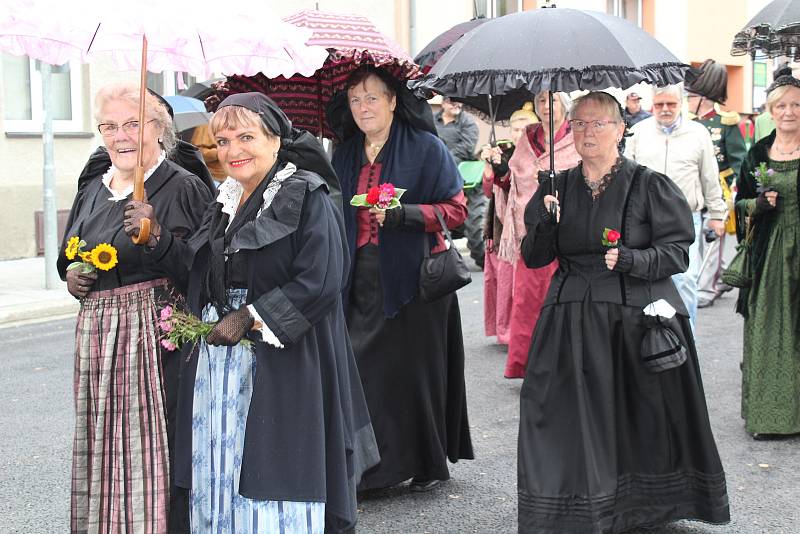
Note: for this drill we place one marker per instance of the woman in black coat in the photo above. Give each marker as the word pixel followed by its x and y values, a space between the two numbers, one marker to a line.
pixel 277 438
pixel 612 436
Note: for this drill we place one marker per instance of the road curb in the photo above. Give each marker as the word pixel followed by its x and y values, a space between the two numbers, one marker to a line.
pixel 38 311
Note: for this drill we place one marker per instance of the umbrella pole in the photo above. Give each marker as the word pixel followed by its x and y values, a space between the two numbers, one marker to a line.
pixel 492 135
pixel 138 176
pixel 552 154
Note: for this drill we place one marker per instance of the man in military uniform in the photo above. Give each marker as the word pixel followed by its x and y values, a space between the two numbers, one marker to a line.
pixel 705 92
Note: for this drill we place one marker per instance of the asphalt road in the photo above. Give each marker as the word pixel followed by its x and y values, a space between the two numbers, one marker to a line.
pixel 36 431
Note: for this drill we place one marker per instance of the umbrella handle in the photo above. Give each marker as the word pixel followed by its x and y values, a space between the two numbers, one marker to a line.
pixel 138 175
pixel 138 194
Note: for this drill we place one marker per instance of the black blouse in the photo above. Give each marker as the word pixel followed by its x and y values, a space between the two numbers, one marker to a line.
pixel 179 199
pixel 648 210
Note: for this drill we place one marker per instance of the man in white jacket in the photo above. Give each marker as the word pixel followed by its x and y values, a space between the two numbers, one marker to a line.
pixel 682 149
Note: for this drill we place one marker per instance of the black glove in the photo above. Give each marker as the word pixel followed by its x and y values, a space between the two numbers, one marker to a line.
pixel 232 328
pixel 80 283
pixel 762 204
pixel 394 218
pixel 135 211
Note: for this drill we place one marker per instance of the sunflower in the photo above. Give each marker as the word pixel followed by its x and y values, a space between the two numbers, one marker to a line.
pixel 104 256
pixel 72 247
pixel 86 257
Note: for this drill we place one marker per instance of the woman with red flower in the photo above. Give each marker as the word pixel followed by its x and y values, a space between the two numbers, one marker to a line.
pixel 612 436
pixel 410 353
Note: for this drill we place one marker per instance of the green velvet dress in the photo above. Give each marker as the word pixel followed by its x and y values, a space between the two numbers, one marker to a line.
pixel 771 367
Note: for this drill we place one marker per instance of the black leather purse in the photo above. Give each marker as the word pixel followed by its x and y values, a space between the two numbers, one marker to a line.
pixel 443 272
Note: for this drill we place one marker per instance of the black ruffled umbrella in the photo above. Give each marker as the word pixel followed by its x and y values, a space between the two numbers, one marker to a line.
pixel 440 44
pixel 500 64
pixel 773 32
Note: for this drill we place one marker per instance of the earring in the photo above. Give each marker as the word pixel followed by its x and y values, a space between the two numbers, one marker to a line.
pixel 160 141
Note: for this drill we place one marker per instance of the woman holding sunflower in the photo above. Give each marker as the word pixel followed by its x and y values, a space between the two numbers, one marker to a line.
pixel 125 384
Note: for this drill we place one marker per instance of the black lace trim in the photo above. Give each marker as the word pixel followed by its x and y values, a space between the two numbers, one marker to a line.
pixel 597 188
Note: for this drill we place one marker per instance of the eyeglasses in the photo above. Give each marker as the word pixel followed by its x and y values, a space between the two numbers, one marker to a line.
pixel 670 105
pixel 597 126
pixel 109 129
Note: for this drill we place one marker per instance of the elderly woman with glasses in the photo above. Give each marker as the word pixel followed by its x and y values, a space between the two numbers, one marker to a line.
pixel 125 383
pixel 613 434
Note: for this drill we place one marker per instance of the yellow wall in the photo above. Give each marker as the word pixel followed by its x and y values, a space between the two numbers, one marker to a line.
pixel 711 27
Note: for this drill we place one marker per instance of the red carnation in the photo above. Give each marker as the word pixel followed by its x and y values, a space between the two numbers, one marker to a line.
pixel 373 195
pixel 613 236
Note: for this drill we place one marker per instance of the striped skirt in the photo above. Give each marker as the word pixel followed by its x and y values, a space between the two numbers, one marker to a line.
pixel 222 392
pixel 120 466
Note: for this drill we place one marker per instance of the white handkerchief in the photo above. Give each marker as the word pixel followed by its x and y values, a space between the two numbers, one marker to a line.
pixel 660 308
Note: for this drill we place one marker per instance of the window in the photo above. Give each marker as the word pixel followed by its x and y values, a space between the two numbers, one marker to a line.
pixel 496 8
pixel 630 10
pixel 22 96
pixel 169 83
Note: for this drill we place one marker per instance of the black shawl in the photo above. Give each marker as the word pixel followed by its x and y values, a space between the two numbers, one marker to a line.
pixel 414 160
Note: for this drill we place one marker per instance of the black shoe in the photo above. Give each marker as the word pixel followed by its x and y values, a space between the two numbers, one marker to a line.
pixel 420 485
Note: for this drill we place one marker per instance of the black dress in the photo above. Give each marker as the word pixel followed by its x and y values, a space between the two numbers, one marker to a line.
pixel 605 445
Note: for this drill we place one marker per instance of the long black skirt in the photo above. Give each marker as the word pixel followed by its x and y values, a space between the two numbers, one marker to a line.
pixel 604 445
pixel 412 371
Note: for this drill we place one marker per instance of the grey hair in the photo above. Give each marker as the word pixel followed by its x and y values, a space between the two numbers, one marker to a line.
pixel 153 109
pixel 609 104
pixel 566 102
pixel 671 90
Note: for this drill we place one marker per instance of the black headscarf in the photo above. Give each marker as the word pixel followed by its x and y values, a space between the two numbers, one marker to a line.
pixel 783 76
pixel 412 110
pixel 298 147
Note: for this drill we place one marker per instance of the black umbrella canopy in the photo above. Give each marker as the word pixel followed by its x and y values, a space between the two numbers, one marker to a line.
pixel 440 44
pixel 773 32
pixel 555 49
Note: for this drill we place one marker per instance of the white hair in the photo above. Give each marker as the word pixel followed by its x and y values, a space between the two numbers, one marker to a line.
pixel 566 102
pixel 672 90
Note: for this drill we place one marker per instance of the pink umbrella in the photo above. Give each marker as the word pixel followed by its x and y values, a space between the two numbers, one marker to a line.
pixel 352 41
pixel 146 35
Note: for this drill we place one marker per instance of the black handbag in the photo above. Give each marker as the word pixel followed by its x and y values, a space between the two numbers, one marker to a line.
pixel 661 348
pixel 444 272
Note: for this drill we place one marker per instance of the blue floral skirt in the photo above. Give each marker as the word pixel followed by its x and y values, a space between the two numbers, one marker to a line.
pixel 222 391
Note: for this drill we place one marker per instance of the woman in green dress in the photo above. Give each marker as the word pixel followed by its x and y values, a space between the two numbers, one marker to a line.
pixel 768 193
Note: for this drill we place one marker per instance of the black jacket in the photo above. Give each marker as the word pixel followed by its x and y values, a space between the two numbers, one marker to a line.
pixel 308 435
pixel 653 218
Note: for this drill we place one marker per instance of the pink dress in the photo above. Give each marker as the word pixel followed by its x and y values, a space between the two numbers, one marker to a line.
pixel 498 277
pixel 529 285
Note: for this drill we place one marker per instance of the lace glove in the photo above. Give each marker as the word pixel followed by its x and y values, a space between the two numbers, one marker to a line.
pixel 762 203
pixel 135 211
pixel 394 218
pixel 79 283
pixel 624 260
pixel 500 170
pixel 232 328
pixel 547 219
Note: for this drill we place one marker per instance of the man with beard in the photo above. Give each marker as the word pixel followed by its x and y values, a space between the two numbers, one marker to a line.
pixel 682 149
pixel 460 133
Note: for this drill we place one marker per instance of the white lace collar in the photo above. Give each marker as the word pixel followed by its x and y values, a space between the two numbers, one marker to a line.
pixel 231 191
pixel 128 190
